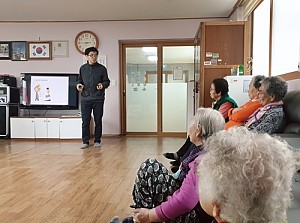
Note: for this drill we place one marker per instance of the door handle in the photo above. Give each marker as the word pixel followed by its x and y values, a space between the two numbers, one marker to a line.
pixel 196 87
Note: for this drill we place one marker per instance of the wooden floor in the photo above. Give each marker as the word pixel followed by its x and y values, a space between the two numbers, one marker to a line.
pixel 55 181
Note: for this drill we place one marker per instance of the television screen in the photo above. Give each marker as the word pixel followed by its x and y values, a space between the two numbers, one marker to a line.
pixel 54 91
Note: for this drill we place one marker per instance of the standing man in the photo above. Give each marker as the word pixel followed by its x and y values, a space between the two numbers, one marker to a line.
pixel 92 82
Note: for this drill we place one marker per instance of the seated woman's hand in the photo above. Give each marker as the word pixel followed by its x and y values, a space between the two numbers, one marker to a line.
pixel 141 215
pixel 235 110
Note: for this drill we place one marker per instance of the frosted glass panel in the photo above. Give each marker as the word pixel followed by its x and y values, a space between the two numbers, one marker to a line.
pixel 141 108
pixel 141 89
pixel 175 109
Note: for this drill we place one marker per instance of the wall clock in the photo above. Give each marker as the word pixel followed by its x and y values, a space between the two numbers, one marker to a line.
pixel 86 39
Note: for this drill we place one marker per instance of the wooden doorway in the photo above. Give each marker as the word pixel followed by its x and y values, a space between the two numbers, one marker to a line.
pixel 140 77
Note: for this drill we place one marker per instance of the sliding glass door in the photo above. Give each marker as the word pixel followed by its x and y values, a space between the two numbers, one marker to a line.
pixel 156 80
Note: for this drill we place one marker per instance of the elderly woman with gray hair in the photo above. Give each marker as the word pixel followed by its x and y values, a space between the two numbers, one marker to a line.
pixel 246 177
pixel 270 117
pixel 160 196
pixel 237 116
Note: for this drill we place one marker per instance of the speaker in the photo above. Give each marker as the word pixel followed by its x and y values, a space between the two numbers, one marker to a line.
pixel 7 111
pixel 8 80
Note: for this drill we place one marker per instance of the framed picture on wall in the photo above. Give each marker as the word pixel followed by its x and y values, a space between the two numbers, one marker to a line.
pixel 5 50
pixel 60 48
pixel 39 50
pixel 177 73
pixel 18 51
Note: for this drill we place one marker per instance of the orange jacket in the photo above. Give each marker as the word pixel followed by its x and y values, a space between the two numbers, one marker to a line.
pixel 239 117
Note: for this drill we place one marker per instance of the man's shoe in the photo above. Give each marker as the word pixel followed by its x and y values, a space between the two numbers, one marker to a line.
pixel 97 144
pixel 84 146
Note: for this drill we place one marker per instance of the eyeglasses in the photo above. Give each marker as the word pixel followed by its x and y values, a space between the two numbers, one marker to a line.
pixel 93 55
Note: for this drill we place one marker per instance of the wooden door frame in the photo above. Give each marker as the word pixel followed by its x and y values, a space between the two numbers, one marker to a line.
pixel 123 44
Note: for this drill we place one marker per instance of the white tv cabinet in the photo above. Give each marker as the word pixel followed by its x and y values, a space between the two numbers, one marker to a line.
pixel 46 128
pixel 70 128
pixel 42 127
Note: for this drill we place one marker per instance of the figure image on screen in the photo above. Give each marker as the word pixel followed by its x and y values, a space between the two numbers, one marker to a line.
pixel 37 90
pixel 40 93
pixel 48 97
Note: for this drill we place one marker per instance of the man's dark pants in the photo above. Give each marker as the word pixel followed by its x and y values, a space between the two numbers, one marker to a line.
pixel 87 107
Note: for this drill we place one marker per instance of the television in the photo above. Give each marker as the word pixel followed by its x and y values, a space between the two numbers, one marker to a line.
pixel 49 91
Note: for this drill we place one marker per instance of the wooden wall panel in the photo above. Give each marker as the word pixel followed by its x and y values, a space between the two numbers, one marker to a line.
pixel 228 41
pixel 231 41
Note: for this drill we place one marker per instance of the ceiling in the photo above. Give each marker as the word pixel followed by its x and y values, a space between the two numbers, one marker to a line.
pixel 112 10
pixel 119 10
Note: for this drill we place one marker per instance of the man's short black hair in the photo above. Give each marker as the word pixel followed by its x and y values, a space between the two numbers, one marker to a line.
pixel 90 49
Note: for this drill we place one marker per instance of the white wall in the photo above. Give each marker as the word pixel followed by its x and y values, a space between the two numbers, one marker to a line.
pixel 109 34
pixel 293 85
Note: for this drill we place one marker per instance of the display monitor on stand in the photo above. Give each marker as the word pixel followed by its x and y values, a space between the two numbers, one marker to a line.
pixel 49 91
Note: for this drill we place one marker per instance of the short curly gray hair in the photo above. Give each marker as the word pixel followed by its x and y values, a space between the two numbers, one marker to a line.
pixel 210 120
pixel 276 86
pixel 248 175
